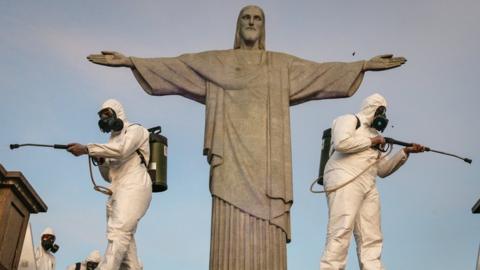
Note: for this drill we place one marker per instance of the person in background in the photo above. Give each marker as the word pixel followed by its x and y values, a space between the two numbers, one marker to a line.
pixel 90 263
pixel 44 258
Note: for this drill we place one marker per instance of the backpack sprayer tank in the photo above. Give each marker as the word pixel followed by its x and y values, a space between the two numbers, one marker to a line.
pixel 157 166
pixel 325 153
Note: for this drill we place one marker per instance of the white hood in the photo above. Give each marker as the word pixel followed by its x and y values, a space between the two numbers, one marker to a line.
pixel 117 107
pixel 48 230
pixel 369 106
pixel 94 256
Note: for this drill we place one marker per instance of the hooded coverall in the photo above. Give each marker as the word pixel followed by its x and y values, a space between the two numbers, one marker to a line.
pixel 356 206
pixel 45 259
pixel 131 186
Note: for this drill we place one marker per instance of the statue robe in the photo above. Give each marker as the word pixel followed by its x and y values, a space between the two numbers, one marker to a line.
pixel 247 129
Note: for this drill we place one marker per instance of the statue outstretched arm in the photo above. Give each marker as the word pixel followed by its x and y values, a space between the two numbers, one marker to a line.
pixel 111 59
pixel 310 80
pixel 383 62
pixel 158 76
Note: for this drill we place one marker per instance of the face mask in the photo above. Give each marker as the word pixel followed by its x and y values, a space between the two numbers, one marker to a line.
pixel 380 120
pixel 109 121
pixel 91 265
pixel 48 243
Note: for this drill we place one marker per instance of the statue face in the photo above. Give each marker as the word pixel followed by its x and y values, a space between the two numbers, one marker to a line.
pixel 251 24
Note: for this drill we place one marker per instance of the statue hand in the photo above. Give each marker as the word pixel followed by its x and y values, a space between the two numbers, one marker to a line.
pixel 383 62
pixel 111 59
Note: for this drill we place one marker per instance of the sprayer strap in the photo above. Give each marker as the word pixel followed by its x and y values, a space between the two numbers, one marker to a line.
pixel 356 127
pixel 142 158
pixel 358 121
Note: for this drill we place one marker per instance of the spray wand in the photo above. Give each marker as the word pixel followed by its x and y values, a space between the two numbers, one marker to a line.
pixel 96 187
pixel 428 149
pixel 56 146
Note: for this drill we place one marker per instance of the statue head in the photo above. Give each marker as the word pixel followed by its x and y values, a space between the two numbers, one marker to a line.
pixel 250 31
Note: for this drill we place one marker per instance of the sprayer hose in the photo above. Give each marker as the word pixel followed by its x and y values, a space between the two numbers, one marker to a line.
pixel 96 187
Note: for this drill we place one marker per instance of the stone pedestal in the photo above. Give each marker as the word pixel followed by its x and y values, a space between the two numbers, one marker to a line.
pixel 18 200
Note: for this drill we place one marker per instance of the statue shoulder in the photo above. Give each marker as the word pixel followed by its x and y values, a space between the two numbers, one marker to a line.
pixel 282 56
pixel 208 56
pixel 207 53
pixel 284 59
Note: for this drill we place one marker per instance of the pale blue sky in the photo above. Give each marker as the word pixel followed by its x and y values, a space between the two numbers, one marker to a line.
pixel 50 94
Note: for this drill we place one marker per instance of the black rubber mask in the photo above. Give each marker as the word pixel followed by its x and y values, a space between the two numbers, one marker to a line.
pixel 48 243
pixel 109 121
pixel 92 265
pixel 380 120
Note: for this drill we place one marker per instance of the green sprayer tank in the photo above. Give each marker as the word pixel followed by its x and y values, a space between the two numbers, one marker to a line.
pixel 157 166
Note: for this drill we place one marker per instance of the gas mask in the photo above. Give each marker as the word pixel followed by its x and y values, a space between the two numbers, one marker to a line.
pixel 109 121
pixel 48 243
pixel 380 120
pixel 91 265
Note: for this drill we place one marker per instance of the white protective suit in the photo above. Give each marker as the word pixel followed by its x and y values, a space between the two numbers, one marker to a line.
pixel 131 186
pixel 45 259
pixel 94 256
pixel 356 206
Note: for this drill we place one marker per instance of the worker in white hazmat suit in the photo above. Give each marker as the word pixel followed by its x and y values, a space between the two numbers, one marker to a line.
pixel 44 258
pixel 90 263
pixel 123 162
pixel 349 179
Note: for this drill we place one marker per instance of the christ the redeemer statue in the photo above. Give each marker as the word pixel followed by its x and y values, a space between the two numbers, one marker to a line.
pixel 248 92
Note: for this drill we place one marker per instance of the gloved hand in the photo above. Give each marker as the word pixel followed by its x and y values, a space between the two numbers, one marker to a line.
pixel 378 140
pixel 415 148
pixel 98 160
pixel 77 149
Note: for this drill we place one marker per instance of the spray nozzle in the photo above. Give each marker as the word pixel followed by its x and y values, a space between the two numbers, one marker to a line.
pixel 14 146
